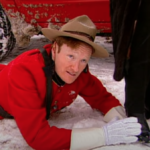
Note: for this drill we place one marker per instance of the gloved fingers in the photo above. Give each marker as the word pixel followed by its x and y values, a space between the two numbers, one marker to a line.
pixel 124 131
pixel 130 139
pixel 130 119
pixel 122 139
pixel 135 131
pixel 133 125
pixel 121 124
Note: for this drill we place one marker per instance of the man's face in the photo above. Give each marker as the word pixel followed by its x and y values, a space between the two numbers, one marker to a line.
pixel 69 63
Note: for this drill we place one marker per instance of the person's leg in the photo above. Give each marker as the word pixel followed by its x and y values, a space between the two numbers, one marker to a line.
pixel 135 89
pixel 147 102
pixel 137 76
pixel 138 98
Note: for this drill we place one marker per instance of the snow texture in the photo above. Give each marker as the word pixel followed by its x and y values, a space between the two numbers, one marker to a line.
pixel 79 114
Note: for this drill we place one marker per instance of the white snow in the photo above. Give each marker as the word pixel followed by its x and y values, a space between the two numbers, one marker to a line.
pixel 79 114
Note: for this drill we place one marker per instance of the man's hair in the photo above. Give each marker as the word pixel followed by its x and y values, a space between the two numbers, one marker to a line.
pixel 71 42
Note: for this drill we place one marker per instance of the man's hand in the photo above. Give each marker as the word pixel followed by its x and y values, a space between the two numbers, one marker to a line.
pixel 122 131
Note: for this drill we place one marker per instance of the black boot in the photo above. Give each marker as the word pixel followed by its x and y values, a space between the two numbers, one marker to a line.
pixel 145 134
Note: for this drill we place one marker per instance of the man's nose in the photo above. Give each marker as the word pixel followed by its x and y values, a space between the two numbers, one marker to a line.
pixel 75 66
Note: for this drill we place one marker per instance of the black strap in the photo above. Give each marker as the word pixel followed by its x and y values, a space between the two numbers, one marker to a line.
pixel 5 114
pixel 48 70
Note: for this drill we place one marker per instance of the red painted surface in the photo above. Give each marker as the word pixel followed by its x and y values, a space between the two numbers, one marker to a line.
pixel 58 12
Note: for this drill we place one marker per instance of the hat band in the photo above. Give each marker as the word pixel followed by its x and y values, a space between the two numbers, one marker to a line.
pixel 82 34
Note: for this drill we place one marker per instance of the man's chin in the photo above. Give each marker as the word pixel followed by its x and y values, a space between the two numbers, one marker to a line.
pixel 70 82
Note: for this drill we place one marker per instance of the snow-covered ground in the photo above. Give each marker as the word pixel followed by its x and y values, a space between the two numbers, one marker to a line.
pixel 78 114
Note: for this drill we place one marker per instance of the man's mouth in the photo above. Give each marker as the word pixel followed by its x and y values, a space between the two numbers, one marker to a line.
pixel 72 74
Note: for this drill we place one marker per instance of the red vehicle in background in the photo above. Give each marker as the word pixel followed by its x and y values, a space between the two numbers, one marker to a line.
pixel 27 17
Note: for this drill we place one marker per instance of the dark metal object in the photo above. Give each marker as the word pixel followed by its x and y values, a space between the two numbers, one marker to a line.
pixel 7 38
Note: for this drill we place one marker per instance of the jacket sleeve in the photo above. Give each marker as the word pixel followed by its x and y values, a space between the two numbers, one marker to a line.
pixel 2 66
pixel 116 112
pixel 96 94
pixel 26 100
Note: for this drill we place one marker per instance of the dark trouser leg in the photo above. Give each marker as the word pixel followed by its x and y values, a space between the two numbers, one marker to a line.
pixel 137 76
pixel 138 97
pixel 135 90
pixel 147 102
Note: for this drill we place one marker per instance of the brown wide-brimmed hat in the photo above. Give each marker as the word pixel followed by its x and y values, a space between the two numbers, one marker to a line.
pixel 81 28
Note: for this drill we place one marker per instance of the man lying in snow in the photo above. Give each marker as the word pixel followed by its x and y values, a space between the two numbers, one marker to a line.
pixel 36 84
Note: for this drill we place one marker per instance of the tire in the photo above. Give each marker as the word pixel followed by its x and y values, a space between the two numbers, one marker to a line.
pixel 7 39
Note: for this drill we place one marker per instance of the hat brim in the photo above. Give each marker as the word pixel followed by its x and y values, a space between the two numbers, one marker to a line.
pixel 51 34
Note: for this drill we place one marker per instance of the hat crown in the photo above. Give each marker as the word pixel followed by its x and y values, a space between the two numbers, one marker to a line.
pixel 81 28
pixel 81 24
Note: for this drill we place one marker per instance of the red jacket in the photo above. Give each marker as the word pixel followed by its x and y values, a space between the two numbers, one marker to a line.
pixel 22 93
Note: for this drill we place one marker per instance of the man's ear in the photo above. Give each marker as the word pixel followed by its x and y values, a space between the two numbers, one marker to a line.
pixel 53 51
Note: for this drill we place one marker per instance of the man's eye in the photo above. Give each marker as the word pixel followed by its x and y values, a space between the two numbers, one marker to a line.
pixel 84 61
pixel 70 56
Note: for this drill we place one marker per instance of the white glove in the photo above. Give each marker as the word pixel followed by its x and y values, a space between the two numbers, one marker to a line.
pixel 122 131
